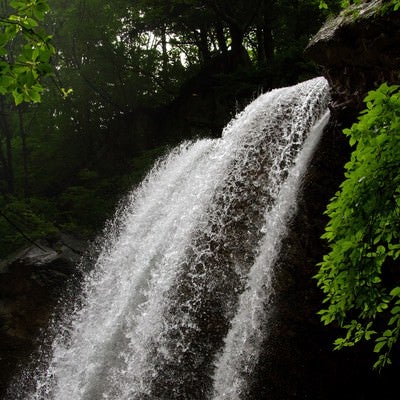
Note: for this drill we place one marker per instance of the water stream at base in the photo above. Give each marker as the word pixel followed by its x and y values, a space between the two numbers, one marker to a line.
pixel 175 305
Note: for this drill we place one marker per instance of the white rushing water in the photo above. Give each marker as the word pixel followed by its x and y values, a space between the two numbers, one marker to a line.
pixel 249 327
pixel 175 305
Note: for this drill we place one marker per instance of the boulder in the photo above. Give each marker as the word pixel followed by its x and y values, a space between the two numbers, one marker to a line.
pixel 31 283
pixel 358 50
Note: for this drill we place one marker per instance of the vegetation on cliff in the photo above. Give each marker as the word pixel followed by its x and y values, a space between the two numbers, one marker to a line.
pixel 359 276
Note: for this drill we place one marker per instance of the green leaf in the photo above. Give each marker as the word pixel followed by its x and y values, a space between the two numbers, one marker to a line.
pixel 395 292
pixel 323 5
pixel 378 347
pixel 395 310
pixel 368 334
pixel 17 4
pixel 18 97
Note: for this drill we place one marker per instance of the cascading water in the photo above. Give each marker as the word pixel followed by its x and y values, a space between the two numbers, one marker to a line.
pixel 249 327
pixel 175 307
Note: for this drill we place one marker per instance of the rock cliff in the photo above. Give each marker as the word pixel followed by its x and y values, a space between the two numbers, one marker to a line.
pixel 358 50
pixel 31 282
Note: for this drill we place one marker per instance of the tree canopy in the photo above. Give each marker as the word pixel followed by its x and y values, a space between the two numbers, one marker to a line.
pixel 140 75
pixel 25 49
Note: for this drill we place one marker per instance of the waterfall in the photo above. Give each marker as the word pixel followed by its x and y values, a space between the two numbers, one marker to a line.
pixel 176 306
pixel 249 327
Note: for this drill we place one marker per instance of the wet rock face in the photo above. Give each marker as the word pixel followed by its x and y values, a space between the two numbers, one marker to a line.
pixel 297 360
pixel 31 283
pixel 358 51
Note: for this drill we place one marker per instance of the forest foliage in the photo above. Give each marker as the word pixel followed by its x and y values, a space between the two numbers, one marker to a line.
pixel 140 77
pixel 25 50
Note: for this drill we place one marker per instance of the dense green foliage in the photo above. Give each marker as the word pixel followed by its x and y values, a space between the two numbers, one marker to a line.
pixel 25 50
pixel 360 276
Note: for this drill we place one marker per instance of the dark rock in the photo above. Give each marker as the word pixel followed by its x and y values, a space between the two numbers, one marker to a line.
pixel 31 283
pixel 298 361
pixel 358 50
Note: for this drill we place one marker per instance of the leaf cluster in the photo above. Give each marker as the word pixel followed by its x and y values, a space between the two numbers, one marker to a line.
pixel 25 51
pixel 392 4
pixel 363 233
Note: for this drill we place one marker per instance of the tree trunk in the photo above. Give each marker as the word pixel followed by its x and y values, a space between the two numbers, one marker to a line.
pixel 202 44
pixel 239 53
pixel 164 49
pixel 268 41
pixel 8 161
pixel 3 167
pixel 219 30
pixel 25 154
pixel 260 45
